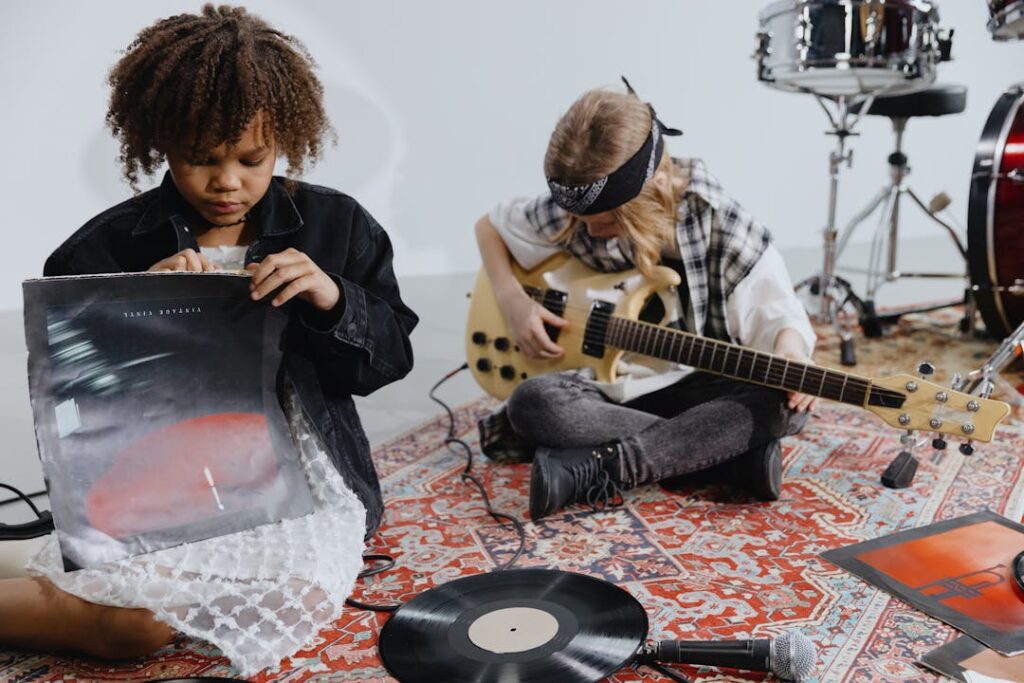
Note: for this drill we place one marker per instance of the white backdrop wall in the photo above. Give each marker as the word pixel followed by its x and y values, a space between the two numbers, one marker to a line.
pixel 443 107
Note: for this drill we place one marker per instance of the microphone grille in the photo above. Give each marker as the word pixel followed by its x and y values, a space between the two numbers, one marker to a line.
pixel 794 657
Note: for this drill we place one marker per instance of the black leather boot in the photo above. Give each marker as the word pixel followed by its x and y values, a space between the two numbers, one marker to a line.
pixel 758 471
pixel 569 475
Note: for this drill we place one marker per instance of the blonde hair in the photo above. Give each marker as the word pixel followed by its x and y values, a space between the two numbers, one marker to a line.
pixel 599 133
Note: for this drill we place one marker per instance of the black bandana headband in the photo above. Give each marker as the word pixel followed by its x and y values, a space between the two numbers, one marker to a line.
pixel 624 183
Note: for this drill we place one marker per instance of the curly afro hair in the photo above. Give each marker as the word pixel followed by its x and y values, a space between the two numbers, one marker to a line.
pixel 198 81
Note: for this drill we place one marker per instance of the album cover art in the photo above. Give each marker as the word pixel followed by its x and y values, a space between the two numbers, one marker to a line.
pixel 156 411
pixel 959 571
pixel 965 654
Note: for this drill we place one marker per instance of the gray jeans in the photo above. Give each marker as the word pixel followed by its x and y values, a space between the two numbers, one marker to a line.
pixel 691 425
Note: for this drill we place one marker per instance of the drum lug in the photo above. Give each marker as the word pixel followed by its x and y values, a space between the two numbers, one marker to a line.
pixel 763 48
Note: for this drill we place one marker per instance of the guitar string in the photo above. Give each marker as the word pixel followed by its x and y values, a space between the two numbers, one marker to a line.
pixel 827 378
pixel 836 381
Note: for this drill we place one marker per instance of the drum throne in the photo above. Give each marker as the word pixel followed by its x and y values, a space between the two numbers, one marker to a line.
pixel 937 100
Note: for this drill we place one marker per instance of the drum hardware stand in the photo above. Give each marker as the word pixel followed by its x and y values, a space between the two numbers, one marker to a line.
pixel 981 381
pixel 835 292
pixel 889 199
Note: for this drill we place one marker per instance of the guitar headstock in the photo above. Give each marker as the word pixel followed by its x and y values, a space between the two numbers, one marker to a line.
pixel 928 407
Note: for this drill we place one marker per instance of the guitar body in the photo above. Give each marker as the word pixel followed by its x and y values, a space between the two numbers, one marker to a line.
pixel 493 359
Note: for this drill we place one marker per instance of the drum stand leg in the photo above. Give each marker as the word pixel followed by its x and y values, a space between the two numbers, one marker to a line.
pixel 887 231
pixel 834 292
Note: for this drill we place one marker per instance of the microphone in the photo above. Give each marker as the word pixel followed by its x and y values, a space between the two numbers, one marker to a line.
pixel 791 656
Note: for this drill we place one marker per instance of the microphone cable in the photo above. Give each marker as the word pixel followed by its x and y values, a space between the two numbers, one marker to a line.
pixel 452 443
pixel 40 526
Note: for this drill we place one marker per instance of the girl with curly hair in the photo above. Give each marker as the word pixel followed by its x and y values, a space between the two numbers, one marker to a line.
pixel 219 96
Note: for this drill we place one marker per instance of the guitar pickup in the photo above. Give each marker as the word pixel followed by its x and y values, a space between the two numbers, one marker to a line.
pixel 597 328
pixel 555 301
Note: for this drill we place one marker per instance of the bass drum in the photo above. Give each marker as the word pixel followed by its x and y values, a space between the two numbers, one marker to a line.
pixel 995 217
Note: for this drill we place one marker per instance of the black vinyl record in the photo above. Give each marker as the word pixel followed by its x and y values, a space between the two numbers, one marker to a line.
pixel 533 625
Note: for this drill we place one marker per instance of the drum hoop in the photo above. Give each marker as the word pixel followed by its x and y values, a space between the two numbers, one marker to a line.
pixel 783 6
pixel 997 164
pixel 870 62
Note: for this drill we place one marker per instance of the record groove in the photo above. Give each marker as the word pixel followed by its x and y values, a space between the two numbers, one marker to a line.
pixel 536 625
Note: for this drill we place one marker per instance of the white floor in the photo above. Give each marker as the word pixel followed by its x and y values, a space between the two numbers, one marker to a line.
pixel 441 302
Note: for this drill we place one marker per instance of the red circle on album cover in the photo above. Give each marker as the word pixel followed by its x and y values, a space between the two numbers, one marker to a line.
pixel 184 473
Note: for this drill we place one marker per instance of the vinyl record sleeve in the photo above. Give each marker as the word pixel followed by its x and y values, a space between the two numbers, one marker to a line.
pixel 156 411
pixel 964 654
pixel 957 570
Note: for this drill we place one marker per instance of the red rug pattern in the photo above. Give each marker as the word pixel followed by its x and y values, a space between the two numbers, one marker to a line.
pixel 705 562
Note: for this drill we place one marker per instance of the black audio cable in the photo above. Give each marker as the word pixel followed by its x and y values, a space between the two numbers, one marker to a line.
pixel 450 441
pixel 40 526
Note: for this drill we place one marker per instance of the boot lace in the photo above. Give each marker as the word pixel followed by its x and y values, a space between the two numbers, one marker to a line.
pixel 594 486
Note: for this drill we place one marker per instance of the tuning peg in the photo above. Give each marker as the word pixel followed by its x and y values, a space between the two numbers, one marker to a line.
pixel 939 444
pixel 955 381
pixel 925 369
pixel 966 448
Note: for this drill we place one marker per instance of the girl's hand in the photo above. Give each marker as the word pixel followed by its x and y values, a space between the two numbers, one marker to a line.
pixel 186 260
pixel 303 278
pixel 526 320
pixel 789 344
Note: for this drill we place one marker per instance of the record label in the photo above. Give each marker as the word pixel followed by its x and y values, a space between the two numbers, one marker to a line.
pixel 536 625
pixel 513 629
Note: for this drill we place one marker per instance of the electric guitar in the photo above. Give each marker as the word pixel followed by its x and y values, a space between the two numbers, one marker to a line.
pixel 603 310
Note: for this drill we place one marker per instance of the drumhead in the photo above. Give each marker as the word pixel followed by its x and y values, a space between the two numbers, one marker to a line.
pixel 995 217
pixel 837 80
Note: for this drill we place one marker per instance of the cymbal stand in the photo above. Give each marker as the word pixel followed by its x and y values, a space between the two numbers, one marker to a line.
pixel 981 380
pixel 834 292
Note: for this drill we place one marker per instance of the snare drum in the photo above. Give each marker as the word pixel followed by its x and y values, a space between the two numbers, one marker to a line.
pixel 1007 19
pixel 848 47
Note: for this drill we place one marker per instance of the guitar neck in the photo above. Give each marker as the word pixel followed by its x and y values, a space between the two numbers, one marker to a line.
pixel 738 362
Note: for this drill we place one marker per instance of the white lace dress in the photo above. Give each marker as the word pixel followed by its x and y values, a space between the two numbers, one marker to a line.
pixel 259 595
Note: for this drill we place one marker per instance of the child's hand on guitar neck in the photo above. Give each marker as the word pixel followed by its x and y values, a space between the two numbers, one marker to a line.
pixel 526 319
pixel 789 344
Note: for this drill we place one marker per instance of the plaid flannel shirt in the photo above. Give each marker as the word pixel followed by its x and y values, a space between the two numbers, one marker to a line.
pixel 719 243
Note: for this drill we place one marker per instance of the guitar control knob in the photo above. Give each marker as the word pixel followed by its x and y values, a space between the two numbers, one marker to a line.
pixel 507 372
pixel 479 338
pixel 483 365
pixel 925 369
pixel 967 448
pixel 939 444
pixel 501 343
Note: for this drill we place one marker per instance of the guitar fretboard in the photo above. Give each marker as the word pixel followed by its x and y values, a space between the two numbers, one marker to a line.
pixel 739 362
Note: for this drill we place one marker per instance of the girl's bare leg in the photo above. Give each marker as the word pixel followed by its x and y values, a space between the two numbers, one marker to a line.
pixel 37 615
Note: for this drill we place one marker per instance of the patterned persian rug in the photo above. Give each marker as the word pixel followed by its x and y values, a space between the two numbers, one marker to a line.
pixel 704 561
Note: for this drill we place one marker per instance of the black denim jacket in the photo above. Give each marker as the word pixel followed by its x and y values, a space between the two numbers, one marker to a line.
pixel 356 348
